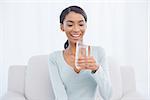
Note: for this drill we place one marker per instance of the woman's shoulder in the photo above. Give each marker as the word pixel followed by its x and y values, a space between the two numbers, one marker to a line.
pixel 54 54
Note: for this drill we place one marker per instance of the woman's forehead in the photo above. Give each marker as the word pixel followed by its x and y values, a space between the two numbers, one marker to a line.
pixel 74 17
pixel 70 21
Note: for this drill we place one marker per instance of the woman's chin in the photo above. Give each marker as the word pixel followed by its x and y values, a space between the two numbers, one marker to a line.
pixel 75 41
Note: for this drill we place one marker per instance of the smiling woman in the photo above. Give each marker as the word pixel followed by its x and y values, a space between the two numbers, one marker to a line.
pixel 28 29
pixel 74 25
pixel 69 82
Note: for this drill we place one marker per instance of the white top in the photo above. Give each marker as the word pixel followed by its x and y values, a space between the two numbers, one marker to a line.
pixel 68 85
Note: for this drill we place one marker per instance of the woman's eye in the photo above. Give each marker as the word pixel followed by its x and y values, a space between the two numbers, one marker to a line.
pixel 69 25
pixel 81 24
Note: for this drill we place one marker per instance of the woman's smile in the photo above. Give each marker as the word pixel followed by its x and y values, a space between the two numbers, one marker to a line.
pixel 75 35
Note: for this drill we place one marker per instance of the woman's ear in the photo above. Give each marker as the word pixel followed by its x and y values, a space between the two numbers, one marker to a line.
pixel 62 27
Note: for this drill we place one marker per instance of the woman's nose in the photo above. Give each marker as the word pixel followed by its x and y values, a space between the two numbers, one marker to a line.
pixel 76 28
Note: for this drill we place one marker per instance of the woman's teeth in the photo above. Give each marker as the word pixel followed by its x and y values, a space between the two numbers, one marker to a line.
pixel 76 35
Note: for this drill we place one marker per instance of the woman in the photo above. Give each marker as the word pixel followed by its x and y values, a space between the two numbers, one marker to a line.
pixel 68 82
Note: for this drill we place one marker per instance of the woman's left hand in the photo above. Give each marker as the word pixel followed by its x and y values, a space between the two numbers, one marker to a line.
pixel 87 63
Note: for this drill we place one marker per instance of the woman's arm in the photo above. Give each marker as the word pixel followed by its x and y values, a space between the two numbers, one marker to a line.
pixel 100 71
pixel 57 84
pixel 101 76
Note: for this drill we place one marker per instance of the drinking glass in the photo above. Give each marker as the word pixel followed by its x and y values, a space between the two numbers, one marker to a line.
pixel 82 50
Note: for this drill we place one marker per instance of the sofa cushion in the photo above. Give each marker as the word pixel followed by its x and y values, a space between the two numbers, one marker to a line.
pixel 13 96
pixel 128 79
pixel 16 78
pixel 134 96
pixel 115 76
pixel 37 81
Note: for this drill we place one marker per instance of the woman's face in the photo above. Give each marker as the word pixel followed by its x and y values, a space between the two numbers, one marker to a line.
pixel 74 26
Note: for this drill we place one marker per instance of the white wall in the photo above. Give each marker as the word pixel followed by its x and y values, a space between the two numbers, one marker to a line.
pixel 31 28
pixel 149 45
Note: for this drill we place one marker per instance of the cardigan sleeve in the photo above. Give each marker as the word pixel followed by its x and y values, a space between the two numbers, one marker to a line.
pixel 57 84
pixel 101 76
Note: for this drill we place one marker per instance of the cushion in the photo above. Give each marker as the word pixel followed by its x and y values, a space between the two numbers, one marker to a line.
pixel 134 96
pixel 37 81
pixel 128 79
pixel 16 78
pixel 13 96
pixel 115 77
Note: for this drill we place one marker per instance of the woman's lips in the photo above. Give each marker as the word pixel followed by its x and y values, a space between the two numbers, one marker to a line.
pixel 75 36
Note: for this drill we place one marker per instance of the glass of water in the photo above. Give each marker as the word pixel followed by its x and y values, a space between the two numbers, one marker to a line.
pixel 82 50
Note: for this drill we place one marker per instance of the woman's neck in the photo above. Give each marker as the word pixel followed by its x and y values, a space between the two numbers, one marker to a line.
pixel 71 48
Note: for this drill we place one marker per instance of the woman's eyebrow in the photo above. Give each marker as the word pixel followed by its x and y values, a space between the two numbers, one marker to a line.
pixel 73 21
pixel 69 21
pixel 81 21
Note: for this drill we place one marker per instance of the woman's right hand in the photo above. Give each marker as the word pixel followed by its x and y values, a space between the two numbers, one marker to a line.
pixel 87 63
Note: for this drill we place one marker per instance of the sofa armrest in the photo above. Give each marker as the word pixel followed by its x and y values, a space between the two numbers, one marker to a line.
pixel 134 96
pixel 16 78
pixel 13 96
pixel 128 79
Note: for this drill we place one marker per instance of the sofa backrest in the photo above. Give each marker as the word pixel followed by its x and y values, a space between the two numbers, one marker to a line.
pixel 116 79
pixel 37 81
pixel 16 78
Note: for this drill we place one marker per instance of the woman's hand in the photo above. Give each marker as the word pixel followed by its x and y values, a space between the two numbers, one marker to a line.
pixel 87 63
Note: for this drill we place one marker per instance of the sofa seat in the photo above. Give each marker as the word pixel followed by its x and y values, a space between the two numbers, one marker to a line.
pixel 13 96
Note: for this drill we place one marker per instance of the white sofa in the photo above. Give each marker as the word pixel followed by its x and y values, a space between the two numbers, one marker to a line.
pixel 32 82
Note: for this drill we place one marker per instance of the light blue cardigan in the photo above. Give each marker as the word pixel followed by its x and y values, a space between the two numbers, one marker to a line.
pixel 68 85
